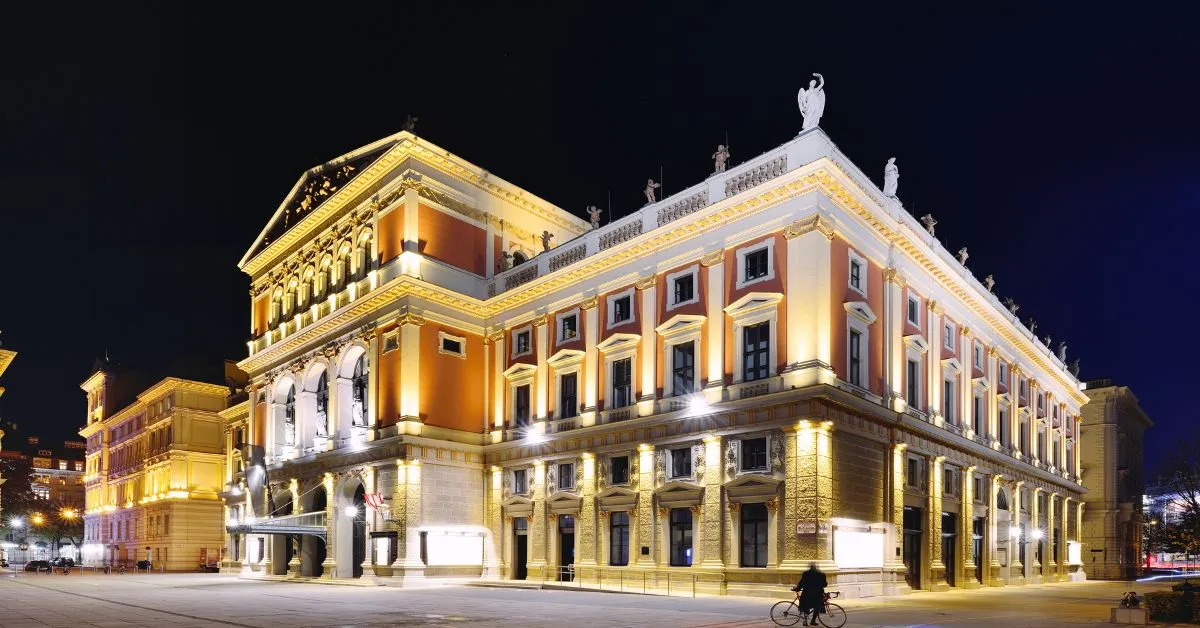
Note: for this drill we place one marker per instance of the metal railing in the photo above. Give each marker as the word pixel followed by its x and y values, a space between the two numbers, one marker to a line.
pixel 81 570
pixel 645 581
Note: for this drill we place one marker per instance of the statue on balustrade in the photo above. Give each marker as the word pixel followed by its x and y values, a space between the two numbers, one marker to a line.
pixel 891 178
pixel 650 195
pixel 720 158
pixel 812 102
pixel 546 237
pixel 594 215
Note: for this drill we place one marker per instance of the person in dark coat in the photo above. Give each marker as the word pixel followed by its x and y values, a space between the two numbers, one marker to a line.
pixel 812 593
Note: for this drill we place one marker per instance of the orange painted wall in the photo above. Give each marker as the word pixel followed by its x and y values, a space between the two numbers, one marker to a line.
pixel 448 239
pixel 732 294
pixel 511 343
pixel 665 293
pixel 440 373
pixel 391 235
pixel 634 327
pixel 387 410
pixel 260 421
pixel 262 312
pixel 839 265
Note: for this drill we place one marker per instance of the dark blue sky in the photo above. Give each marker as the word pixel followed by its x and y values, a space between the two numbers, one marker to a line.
pixel 142 149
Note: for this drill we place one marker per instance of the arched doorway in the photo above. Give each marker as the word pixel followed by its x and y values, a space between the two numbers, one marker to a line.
pixel 351 529
pixel 312 548
pixel 283 546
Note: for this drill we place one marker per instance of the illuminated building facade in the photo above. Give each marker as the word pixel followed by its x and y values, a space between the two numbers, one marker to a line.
pixel 153 472
pixel 1113 459
pixel 56 479
pixel 6 358
pixel 774 366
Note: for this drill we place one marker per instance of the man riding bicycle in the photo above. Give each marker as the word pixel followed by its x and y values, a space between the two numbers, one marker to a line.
pixel 812 593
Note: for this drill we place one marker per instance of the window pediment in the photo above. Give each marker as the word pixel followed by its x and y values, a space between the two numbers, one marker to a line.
pixel 564 503
pixel 917 342
pixel 981 384
pixel 753 303
pixel 952 365
pixel 861 311
pixel 517 506
pixel 617 498
pixel 565 357
pixel 680 324
pixel 678 494
pixel 619 342
pixel 520 371
pixel 750 488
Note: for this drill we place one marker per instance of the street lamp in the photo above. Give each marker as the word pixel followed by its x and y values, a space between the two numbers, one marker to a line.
pixel 1037 534
pixel 17 522
pixel 69 514
pixel 37 519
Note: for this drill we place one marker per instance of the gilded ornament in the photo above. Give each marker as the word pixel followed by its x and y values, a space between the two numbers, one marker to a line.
pixel 712 259
pixel 645 282
pixel 541 320
pixel 588 304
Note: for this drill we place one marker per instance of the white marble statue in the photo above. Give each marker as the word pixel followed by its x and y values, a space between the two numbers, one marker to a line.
pixel 358 416
pixel 289 432
pixel 1062 351
pixel 1011 305
pixel 1032 325
pixel 650 196
pixel 812 102
pixel 989 282
pixel 891 178
pixel 321 424
pixel 930 223
pixel 546 237
pixel 594 216
pixel 720 158
pixel 963 255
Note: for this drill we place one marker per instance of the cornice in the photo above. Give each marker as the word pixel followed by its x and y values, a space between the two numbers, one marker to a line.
pixel 173 383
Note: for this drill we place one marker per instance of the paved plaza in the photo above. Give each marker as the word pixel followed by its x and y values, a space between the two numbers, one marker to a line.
pixel 28 600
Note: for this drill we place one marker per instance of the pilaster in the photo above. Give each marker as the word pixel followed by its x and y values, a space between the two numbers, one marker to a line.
pixel 1036 560
pixel 934 384
pixel 369 479
pixel 1017 567
pixel 992 536
pixel 965 577
pixel 893 339
pixel 893 562
pixel 329 565
pixel 1050 558
pixel 585 522
pixel 499 389
pixel 715 340
pixel 808 490
pixel 808 301
pixel 410 373
pixel 542 386
pixel 712 514
pixel 591 359
pixel 537 523
pixel 406 514
pixel 648 391
pixel 937 569
pixel 494 564
pixel 643 524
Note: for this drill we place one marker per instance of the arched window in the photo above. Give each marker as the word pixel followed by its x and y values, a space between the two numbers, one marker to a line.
pixel 323 395
pixel 289 416
pixel 362 259
pixel 358 387
pixel 519 258
pixel 344 266
pixel 276 310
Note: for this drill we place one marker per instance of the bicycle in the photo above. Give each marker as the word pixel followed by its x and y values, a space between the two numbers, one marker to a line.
pixel 788 613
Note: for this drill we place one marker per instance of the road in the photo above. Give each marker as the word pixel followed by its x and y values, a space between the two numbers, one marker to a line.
pixel 28 600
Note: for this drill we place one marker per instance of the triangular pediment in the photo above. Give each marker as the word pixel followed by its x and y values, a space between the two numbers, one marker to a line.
pixel 679 324
pixel 517 506
pixel 861 311
pixel 565 357
pixel 752 487
pixel 917 342
pixel 617 498
pixel 519 370
pixel 753 302
pixel 619 342
pixel 564 503
pixel 677 494
pixel 952 365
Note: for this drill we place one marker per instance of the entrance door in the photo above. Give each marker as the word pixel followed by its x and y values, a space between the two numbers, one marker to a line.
pixel 359 536
pixel 566 548
pixel 520 548
pixel 977 547
pixel 949 545
pixel 912 546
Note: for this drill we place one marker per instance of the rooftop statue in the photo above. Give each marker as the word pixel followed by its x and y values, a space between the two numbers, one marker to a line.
pixel 930 223
pixel 1073 367
pixel 505 260
pixel 1062 351
pixel 410 123
pixel 989 282
pixel 1011 305
pixel 650 186
pixel 1032 325
pixel 963 255
pixel 720 158
pixel 546 237
pixel 812 102
pixel 891 178
pixel 594 216
pixel 1046 341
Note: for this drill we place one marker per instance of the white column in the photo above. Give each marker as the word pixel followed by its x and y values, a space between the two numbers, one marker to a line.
pixel 543 348
pixel 808 293
pixel 591 358
pixel 934 339
pixel 966 382
pixel 715 306
pixel 372 400
pixel 499 390
pixel 410 373
pixel 646 286
pixel 893 338
pixel 993 404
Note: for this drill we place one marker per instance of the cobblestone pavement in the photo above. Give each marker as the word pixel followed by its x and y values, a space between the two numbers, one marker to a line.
pixel 28 600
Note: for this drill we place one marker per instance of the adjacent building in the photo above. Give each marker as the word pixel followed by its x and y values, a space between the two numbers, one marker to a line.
pixel 153 471
pixel 55 476
pixel 1113 460
pixel 6 358
pixel 450 376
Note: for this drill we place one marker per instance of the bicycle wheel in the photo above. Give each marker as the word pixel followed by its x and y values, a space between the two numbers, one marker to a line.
pixel 785 613
pixel 833 617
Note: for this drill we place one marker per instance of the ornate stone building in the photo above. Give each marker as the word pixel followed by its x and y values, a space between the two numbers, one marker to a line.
pixel 774 366
pixel 153 471
pixel 6 358
pixel 1113 460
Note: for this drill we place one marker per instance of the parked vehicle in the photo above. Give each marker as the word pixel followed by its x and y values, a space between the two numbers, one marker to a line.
pixel 62 561
pixel 38 565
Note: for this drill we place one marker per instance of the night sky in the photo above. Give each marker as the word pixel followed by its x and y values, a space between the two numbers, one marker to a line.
pixel 142 150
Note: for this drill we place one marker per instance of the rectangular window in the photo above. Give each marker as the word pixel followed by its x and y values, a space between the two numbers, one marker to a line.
pixel 1002 373
pixel 914 311
pixel 1022 388
pixel 683 368
pixel 756 345
pixel 856 275
pixel 1041 445
pixel 950 480
pixel 977 416
pixel 948 400
pixel 979 489
pixel 566 476
pixel 622 310
pixel 948 336
pixel 915 478
pixel 62 465
pixel 522 342
pixel 685 288
pixel 753 535
pixel 520 482
pixel 754 454
pixel 570 328
pixel 1023 437
pixel 855 357
pixel 681 537
pixel 681 463
pixel 1002 420
pixel 622 378
pixel 756 264
pixel 620 469
pixel 913 382
pixel 568 399
pixel 978 356
pixel 618 539
pixel 522 405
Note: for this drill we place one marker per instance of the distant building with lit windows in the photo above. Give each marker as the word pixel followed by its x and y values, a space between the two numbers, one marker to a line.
pixel 153 471
pixel 773 366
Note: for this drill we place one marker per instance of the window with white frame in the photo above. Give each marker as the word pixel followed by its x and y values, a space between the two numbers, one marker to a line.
pixel 858 273
pixel 948 336
pixel 914 476
pixel 520 481
pixel 755 263
pixel 913 381
pixel 1002 372
pixel 568 326
pixel 681 462
pixel 521 405
pixel 1002 423
pixel 977 415
pixel 452 345
pixel 978 357
pixel 756 351
pixel 751 310
pixel 568 395
pixel 914 310
pixel 682 285
pixel 522 342
pixel 855 365
pixel 566 476
pixel 622 383
pixel 683 368
pixel 620 307
pixel 948 400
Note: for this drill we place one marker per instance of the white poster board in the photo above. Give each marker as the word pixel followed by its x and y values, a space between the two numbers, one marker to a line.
pixel 853 549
